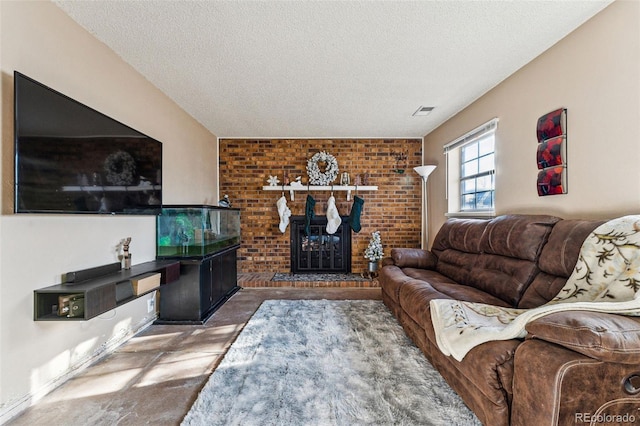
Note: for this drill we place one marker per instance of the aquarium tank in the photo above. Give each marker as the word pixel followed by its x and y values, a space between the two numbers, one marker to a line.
pixel 184 231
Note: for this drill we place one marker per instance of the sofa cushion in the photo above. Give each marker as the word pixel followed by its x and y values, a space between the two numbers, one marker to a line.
pixel 557 260
pixel 414 300
pixel 560 254
pixel 414 295
pixel 503 277
pixel 543 288
pixel 457 265
pixel 457 247
pixel 603 336
pixel 467 293
pixel 510 246
pixel 460 234
pixel 517 236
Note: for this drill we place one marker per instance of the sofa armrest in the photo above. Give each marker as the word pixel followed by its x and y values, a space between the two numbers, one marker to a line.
pixel 556 386
pixel 413 258
pixel 602 336
pixel 387 261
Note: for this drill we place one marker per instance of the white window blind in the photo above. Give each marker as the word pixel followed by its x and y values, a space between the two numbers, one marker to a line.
pixel 473 135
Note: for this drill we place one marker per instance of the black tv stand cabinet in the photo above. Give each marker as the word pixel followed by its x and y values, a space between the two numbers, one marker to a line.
pixel 205 284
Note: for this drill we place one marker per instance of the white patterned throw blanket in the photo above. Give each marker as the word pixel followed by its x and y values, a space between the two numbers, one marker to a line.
pixel 606 278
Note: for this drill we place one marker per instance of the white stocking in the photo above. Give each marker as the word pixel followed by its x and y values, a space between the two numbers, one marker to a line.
pixel 284 213
pixel 333 217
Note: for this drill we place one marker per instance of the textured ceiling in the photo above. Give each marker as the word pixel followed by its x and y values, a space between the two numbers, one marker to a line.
pixel 327 69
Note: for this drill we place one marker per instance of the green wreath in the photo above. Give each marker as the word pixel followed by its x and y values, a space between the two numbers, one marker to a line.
pixel 316 177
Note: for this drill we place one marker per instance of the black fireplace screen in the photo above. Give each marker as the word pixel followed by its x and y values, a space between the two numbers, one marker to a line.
pixel 320 252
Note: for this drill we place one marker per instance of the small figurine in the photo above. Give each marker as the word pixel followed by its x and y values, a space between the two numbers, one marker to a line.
pixel 97 180
pixel 126 256
pixel 225 202
pixel 144 181
pixel 344 179
pixel 183 237
pixel 297 182
pixel 153 200
pixel 273 180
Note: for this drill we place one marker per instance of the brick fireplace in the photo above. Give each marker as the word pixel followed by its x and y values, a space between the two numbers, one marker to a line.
pixel 394 210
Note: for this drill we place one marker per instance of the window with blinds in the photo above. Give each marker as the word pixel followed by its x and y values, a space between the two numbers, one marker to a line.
pixel 471 172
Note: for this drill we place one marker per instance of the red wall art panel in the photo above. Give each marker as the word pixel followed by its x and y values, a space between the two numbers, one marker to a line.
pixel 552 181
pixel 552 124
pixel 551 152
pixel 551 155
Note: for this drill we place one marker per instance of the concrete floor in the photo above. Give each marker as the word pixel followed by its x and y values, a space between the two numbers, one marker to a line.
pixel 155 377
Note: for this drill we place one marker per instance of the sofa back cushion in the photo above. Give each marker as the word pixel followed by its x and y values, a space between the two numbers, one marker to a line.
pixel 498 256
pixel 510 247
pixel 457 265
pixel 557 260
pixel 463 235
pixel 504 277
pixel 517 236
pixel 457 246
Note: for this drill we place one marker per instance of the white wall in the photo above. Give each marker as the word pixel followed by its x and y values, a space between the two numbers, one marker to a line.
pixel 594 72
pixel 39 40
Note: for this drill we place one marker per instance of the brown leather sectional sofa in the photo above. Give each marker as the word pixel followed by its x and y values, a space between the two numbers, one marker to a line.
pixel 574 367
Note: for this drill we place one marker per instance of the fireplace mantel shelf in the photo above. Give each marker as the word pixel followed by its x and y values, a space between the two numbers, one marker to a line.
pixel 347 188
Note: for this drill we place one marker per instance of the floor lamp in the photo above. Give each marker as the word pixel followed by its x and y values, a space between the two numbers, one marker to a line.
pixel 424 172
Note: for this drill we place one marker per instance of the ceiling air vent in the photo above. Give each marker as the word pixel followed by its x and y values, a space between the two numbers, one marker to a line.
pixel 423 111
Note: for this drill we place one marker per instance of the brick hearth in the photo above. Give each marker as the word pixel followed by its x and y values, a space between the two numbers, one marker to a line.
pixel 263 279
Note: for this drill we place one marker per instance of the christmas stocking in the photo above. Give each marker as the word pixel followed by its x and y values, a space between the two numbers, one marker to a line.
pixel 309 214
pixel 284 213
pixel 356 211
pixel 333 217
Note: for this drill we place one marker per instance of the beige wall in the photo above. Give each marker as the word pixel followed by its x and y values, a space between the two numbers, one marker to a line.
pixel 39 40
pixel 594 73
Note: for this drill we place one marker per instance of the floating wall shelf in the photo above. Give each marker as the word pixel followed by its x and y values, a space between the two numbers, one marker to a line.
pixel 101 289
pixel 293 189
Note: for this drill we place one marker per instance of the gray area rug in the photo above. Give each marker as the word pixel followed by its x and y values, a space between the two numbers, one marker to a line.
pixel 279 276
pixel 322 362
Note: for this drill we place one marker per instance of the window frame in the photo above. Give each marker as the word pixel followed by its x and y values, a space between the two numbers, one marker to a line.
pixel 454 175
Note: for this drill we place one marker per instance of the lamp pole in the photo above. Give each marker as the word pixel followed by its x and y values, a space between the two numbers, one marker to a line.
pixel 424 172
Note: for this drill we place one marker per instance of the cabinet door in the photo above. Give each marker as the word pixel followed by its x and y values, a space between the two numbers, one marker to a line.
pixel 206 294
pixel 216 284
pixel 228 272
pixel 180 301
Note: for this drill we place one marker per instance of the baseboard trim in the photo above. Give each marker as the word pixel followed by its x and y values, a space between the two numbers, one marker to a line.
pixel 16 408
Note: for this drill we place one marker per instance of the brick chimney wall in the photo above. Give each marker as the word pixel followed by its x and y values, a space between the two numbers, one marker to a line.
pixel 394 210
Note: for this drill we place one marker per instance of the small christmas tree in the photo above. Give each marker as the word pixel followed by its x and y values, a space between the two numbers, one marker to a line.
pixel 374 251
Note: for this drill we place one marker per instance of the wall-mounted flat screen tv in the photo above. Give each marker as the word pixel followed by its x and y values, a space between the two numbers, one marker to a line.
pixel 70 158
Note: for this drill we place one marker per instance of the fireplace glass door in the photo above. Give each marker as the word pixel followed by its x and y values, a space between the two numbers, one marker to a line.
pixel 320 252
